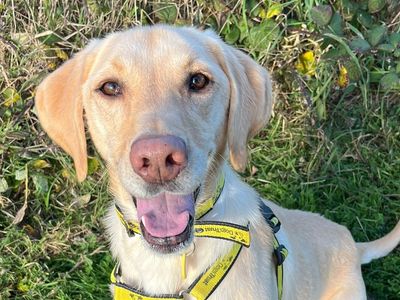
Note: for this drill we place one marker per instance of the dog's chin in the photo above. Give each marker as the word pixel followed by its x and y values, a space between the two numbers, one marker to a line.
pixel 170 244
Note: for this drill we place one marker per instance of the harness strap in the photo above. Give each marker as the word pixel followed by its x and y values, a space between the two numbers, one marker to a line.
pixel 208 205
pixel 200 289
pixel 280 251
pixel 206 283
pixel 132 228
pixel 124 292
pixel 223 230
pixel 203 287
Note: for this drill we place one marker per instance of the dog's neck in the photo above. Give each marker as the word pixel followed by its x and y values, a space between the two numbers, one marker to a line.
pixel 160 273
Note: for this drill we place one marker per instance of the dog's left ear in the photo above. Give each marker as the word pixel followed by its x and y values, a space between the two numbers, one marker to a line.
pixel 251 100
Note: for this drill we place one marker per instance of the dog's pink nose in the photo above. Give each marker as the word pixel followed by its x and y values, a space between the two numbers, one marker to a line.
pixel 158 159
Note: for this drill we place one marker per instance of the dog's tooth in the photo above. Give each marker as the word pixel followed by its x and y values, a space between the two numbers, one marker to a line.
pixel 143 221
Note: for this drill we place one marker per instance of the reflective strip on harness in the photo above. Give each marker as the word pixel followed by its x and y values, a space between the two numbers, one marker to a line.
pixel 201 289
pixel 207 205
pixel 132 228
pixel 223 230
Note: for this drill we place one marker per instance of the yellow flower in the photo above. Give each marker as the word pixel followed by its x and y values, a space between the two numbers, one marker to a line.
pixel 306 63
pixel 11 96
pixel 343 79
pixel 273 10
pixel 61 54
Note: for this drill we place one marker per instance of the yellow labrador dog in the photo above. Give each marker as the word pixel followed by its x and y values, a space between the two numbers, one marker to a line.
pixel 166 108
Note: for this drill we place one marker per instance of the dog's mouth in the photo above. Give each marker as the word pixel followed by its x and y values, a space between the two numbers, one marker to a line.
pixel 166 220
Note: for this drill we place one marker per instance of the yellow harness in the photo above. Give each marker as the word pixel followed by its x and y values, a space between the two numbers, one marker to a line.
pixel 207 282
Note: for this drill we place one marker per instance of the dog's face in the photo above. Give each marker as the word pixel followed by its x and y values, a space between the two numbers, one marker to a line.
pixel 162 104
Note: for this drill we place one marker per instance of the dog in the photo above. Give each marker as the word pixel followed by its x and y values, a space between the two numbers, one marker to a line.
pixel 167 108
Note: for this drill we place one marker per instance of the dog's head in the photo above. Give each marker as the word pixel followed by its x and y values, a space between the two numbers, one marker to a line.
pixel 164 106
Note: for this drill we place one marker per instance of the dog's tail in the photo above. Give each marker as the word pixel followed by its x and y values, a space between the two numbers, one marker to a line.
pixel 380 247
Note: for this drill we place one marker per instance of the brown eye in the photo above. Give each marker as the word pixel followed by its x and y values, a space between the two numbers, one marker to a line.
pixel 111 88
pixel 198 82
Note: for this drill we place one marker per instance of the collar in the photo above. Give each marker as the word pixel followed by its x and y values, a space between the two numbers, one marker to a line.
pixel 206 283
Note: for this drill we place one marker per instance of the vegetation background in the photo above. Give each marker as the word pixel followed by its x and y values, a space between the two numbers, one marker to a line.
pixel 333 145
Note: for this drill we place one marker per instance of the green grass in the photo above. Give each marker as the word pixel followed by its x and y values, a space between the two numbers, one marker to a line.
pixel 331 150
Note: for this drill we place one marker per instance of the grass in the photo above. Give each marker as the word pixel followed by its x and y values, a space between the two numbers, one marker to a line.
pixel 328 149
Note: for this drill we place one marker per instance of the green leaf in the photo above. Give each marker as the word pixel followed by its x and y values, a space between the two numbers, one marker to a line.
pixel 20 174
pixel 321 14
pixel 166 12
pixel 93 165
pixel 375 76
pixel 218 5
pixel 359 45
pixel 262 35
pixel 386 47
pixel 376 35
pixel 398 68
pixel 394 38
pixel 396 53
pixel 48 37
pixel 253 7
pixel 93 6
pixel 82 200
pixel 212 23
pixel 242 25
pixel 390 81
pixel 41 184
pixel 336 24
pixel 321 109
pixel 233 35
pixel 365 19
pixel 375 5
pixel 11 96
pixel 3 185
pixel 349 89
pixel 350 9
pixel 21 38
pixel 352 71
pixel 335 53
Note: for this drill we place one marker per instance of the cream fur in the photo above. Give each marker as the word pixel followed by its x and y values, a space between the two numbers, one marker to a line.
pixel 152 65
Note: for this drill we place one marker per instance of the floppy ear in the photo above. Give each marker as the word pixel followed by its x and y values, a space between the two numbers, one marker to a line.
pixel 59 105
pixel 250 101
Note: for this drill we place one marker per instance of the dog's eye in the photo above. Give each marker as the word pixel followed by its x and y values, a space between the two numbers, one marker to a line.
pixel 111 88
pixel 198 82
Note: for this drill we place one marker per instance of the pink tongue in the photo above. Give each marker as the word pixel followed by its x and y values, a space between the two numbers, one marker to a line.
pixel 165 215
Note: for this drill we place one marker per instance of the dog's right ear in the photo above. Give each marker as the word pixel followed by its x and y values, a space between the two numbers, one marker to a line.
pixel 59 105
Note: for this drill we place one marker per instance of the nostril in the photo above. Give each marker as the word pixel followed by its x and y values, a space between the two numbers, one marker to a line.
pixel 146 162
pixel 169 161
pixel 176 158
